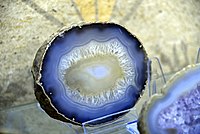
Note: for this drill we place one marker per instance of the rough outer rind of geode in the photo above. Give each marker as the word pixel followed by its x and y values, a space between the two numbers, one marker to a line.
pixel 177 109
pixel 67 109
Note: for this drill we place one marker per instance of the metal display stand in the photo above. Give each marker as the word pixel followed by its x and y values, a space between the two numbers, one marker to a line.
pixel 29 117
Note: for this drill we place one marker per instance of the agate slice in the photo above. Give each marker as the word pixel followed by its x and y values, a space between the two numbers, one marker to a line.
pixel 89 71
pixel 177 110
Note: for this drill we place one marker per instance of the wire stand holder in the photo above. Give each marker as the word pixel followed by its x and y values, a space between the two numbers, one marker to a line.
pixel 198 56
pixel 149 79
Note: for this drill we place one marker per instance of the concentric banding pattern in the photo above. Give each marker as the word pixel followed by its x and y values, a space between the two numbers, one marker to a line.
pixel 90 71
pixel 93 48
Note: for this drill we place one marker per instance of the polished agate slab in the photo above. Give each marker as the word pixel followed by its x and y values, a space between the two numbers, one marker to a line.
pixel 177 110
pixel 89 71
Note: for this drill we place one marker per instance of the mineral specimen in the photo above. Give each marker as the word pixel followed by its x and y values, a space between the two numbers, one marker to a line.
pixel 89 71
pixel 177 110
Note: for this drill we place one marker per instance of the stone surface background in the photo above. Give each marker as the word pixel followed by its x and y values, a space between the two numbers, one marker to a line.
pixel 168 29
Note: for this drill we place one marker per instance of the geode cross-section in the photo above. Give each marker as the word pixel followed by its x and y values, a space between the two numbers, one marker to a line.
pixel 177 110
pixel 89 71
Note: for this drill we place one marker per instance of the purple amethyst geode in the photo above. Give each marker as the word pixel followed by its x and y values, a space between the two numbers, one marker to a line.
pixel 89 71
pixel 177 110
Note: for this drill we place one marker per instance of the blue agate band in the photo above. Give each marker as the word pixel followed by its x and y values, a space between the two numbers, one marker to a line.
pixel 75 37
